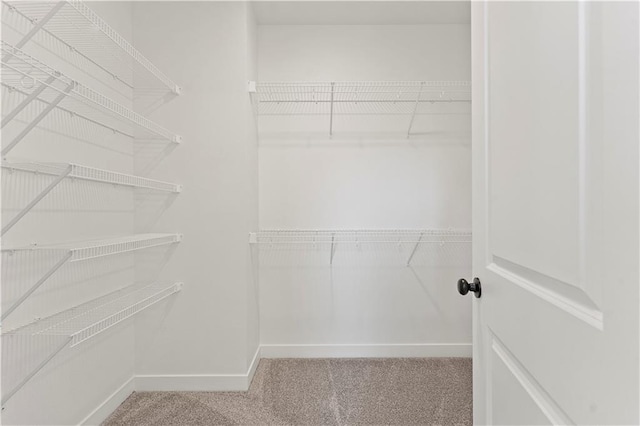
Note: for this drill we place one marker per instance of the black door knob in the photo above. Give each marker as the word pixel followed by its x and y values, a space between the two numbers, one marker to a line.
pixel 464 287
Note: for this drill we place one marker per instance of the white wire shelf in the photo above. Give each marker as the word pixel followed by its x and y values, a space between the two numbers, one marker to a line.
pixel 81 323
pixel 73 23
pixel 78 171
pixel 412 239
pixel 85 250
pixel 37 81
pixel 75 171
pixel 87 320
pixel 356 98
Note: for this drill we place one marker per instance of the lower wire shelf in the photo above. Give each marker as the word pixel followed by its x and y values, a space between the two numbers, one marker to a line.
pixel 80 251
pixel 76 325
pixel 358 236
pixel 300 239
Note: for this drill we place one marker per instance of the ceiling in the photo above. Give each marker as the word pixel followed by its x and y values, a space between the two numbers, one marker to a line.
pixel 362 12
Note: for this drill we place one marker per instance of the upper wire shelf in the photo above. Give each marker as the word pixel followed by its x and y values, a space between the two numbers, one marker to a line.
pixel 38 81
pixel 403 98
pixel 85 321
pixel 62 171
pixel 354 97
pixel 77 26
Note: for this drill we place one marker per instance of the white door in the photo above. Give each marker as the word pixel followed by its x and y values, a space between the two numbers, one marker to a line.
pixel 555 212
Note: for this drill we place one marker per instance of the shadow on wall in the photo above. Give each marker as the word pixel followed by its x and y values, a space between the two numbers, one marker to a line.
pixel 366 292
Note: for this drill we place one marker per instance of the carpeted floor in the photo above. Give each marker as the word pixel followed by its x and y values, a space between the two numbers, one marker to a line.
pixel 417 391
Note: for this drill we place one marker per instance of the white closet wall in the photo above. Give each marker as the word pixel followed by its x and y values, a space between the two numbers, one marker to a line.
pixel 209 338
pixel 368 175
pixel 74 211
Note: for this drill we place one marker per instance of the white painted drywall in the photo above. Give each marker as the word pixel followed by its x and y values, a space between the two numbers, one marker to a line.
pixel 211 329
pixel 369 175
pixel 79 379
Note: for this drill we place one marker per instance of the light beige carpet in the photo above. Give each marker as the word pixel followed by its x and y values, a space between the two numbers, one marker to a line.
pixel 393 391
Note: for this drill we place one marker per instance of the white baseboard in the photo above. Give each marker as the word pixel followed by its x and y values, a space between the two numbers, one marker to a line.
pixel 241 382
pixel 103 411
pixel 253 366
pixel 199 382
pixel 420 350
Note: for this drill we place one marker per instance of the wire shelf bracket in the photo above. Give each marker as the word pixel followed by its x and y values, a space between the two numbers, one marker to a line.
pixel 34 95
pixel 415 247
pixel 89 250
pixel 39 118
pixel 62 171
pixel 37 199
pixel 85 321
pixel 415 109
pixel 333 248
pixel 33 372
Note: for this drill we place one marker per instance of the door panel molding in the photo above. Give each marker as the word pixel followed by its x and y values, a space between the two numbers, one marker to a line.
pixel 582 298
pixel 536 392
pixel 572 300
